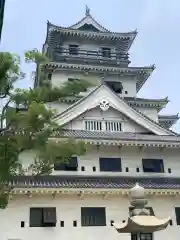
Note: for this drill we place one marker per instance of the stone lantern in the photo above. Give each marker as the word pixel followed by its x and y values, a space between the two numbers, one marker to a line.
pixel 140 221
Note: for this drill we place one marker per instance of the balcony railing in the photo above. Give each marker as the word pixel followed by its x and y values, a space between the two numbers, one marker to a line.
pixel 70 53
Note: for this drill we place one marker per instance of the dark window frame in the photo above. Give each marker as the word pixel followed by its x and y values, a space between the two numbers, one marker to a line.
pixel 152 165
pixel 142 236
pixel 70 166
pixel 73 49
pixel 42 217
pixel 108 165
pixel 177 213
pixel 106 52
pixel 93 216
pixel 117 87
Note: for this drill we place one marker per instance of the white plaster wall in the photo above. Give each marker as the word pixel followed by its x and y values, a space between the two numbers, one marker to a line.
pixel 149 112
pixel 69 210
pixel 60 77
pixel 111 114
pixel 129 84
pixel 130 157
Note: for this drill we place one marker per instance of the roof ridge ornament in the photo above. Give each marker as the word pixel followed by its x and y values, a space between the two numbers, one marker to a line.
pixel 87 11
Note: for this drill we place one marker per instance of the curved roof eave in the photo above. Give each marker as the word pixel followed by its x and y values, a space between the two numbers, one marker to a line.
pixel 56 27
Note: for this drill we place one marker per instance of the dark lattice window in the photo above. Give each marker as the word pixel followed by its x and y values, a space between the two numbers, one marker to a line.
pixel 106 52
pixel 93 216
pixel 153 165
pixel 73 49
pixel 72 165
pixel 110 164
pixel 115 86
pixel 177 212
pixel 42 217
pixel 142 236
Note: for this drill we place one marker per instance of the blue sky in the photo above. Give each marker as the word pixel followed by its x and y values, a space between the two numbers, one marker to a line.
pixel 158 39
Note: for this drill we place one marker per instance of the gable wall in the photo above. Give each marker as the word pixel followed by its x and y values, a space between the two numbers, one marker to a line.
pixel 111 114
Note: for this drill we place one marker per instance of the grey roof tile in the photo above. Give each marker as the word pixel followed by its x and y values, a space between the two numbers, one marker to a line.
pixel 79 182
pixel 103 135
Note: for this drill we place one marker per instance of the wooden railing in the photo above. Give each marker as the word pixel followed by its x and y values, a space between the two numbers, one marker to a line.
pixel 105 55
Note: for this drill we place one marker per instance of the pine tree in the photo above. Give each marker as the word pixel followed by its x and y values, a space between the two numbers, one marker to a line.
pixel 33 128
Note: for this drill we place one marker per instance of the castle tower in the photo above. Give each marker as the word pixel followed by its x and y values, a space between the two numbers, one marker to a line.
pixel 129 141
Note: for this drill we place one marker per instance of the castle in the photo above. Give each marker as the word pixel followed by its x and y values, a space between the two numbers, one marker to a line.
pixel 129 141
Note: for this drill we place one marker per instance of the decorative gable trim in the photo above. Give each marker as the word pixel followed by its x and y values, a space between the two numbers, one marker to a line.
pixel 88 19
pixel 104 93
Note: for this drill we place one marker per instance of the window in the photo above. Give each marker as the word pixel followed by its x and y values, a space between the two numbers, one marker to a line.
pixel 93 125
pixel 42 217
pixel 115 86
pixel 110 164
pixel 153 165
pixel 73 49
pixel 169 170
pixel 83 168
pixel 62 223
pixel 113 126
pixel 22 224
pixel 106 52
pixel 142 236
pixel 111 223
pixel 93 216
pixel 74 223
pixel 72 165
pixel 177 212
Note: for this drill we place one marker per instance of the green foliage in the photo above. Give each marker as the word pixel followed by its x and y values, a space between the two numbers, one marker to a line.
pixel 9 72
pixel 34 127
pixel 35 56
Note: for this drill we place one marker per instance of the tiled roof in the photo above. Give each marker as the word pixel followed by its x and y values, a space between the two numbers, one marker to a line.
pixel 94 182
pixel 131 100
pixel 168 120
pixel 81 134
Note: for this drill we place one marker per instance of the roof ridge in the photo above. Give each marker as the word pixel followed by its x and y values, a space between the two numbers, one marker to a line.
pixel 108 32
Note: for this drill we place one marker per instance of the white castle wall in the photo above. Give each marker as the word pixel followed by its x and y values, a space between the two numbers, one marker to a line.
pixel 68 210
pixel 129 84
pixel 130 157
